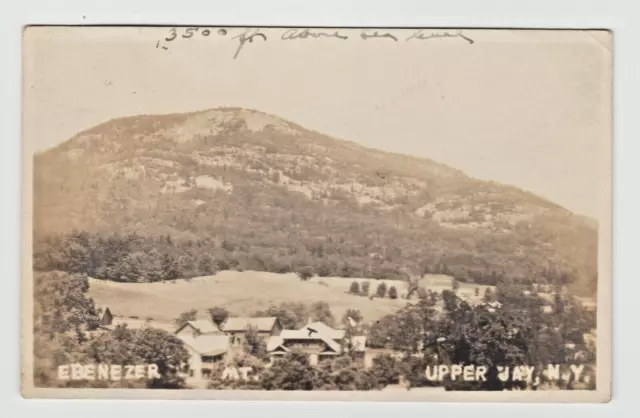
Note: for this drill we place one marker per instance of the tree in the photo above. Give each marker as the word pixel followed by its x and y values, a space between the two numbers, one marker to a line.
pixel 292 372
pixel 393 293
pixel 218 315
pixel 422 293
pixel 185 317
pixel 62 314
pixel 320 311
pixel 142 346
pixel 386 370
pixel 450 300
pixel 381 291
pixel 169 266
pixel 205 265
pixel 380 334
pixel 354 288
pixel 292 315
pixel 187 266
pixel 488 295
pixel 412 325
pixel 365 288
pixel 254 344
pixel 61 304
pixel 354 314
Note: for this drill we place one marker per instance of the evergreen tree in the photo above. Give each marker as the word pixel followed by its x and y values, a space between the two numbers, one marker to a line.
pixel 354 288
pixel 365 288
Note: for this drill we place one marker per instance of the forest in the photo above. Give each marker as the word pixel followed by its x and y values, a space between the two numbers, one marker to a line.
pixel 139 258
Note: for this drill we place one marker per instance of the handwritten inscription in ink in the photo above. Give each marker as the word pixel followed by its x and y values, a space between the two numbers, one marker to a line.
pixel 249 35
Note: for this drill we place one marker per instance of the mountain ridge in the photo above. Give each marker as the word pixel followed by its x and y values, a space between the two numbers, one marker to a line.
pixel 137 171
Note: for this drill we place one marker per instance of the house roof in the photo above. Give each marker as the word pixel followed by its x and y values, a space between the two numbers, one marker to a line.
pixel 207 344
pixel 322 328
pixel 322 333
pixel 278 340
pixel 242 323
pixel 202 325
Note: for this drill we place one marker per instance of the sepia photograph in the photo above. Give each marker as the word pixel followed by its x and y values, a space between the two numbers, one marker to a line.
pixel 372 214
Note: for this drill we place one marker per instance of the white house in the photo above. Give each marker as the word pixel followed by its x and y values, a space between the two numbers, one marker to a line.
pixel 317 340
pixel 206 345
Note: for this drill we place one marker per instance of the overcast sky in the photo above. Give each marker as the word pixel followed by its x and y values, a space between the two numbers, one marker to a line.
pixel 530 109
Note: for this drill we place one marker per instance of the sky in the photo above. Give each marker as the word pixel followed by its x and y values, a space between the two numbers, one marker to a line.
pixel 526 108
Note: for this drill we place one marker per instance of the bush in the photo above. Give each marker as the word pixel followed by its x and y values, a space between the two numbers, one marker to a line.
pixel 393 293
pixel 354 288
pixel 382 290
pixel 305 273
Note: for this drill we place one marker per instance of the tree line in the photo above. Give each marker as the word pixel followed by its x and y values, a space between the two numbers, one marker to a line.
pixel 145 258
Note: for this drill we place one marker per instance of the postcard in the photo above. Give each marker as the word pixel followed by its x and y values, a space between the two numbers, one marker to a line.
pixel 340 214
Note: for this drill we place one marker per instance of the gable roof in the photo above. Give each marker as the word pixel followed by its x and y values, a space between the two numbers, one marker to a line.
pixel 277 341
pixel 322 333
pixel 326 330
pixel 201 325
pixel 242 323
pixel 207 344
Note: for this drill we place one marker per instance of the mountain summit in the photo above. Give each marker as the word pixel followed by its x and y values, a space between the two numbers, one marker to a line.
pixel 251 183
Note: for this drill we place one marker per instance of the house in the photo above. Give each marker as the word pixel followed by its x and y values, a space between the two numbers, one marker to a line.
pixel 205 350
pixel 198 327
pixel 317 340
pixel 206 344
pixel 236 328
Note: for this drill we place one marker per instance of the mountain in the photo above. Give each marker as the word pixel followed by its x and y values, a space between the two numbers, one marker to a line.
pixel 246 183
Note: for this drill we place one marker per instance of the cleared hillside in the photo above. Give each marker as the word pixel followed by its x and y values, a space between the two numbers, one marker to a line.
pixel 243 293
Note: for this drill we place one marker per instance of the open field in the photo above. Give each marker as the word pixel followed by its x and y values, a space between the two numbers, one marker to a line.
pixel 242 293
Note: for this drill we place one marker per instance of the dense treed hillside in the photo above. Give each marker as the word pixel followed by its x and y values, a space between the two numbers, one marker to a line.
pixel 251 191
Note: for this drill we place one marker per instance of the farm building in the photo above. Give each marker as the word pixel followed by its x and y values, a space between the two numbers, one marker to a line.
pixel 107 318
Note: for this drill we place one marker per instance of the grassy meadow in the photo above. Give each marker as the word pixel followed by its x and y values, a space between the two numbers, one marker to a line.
pixel 242 293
